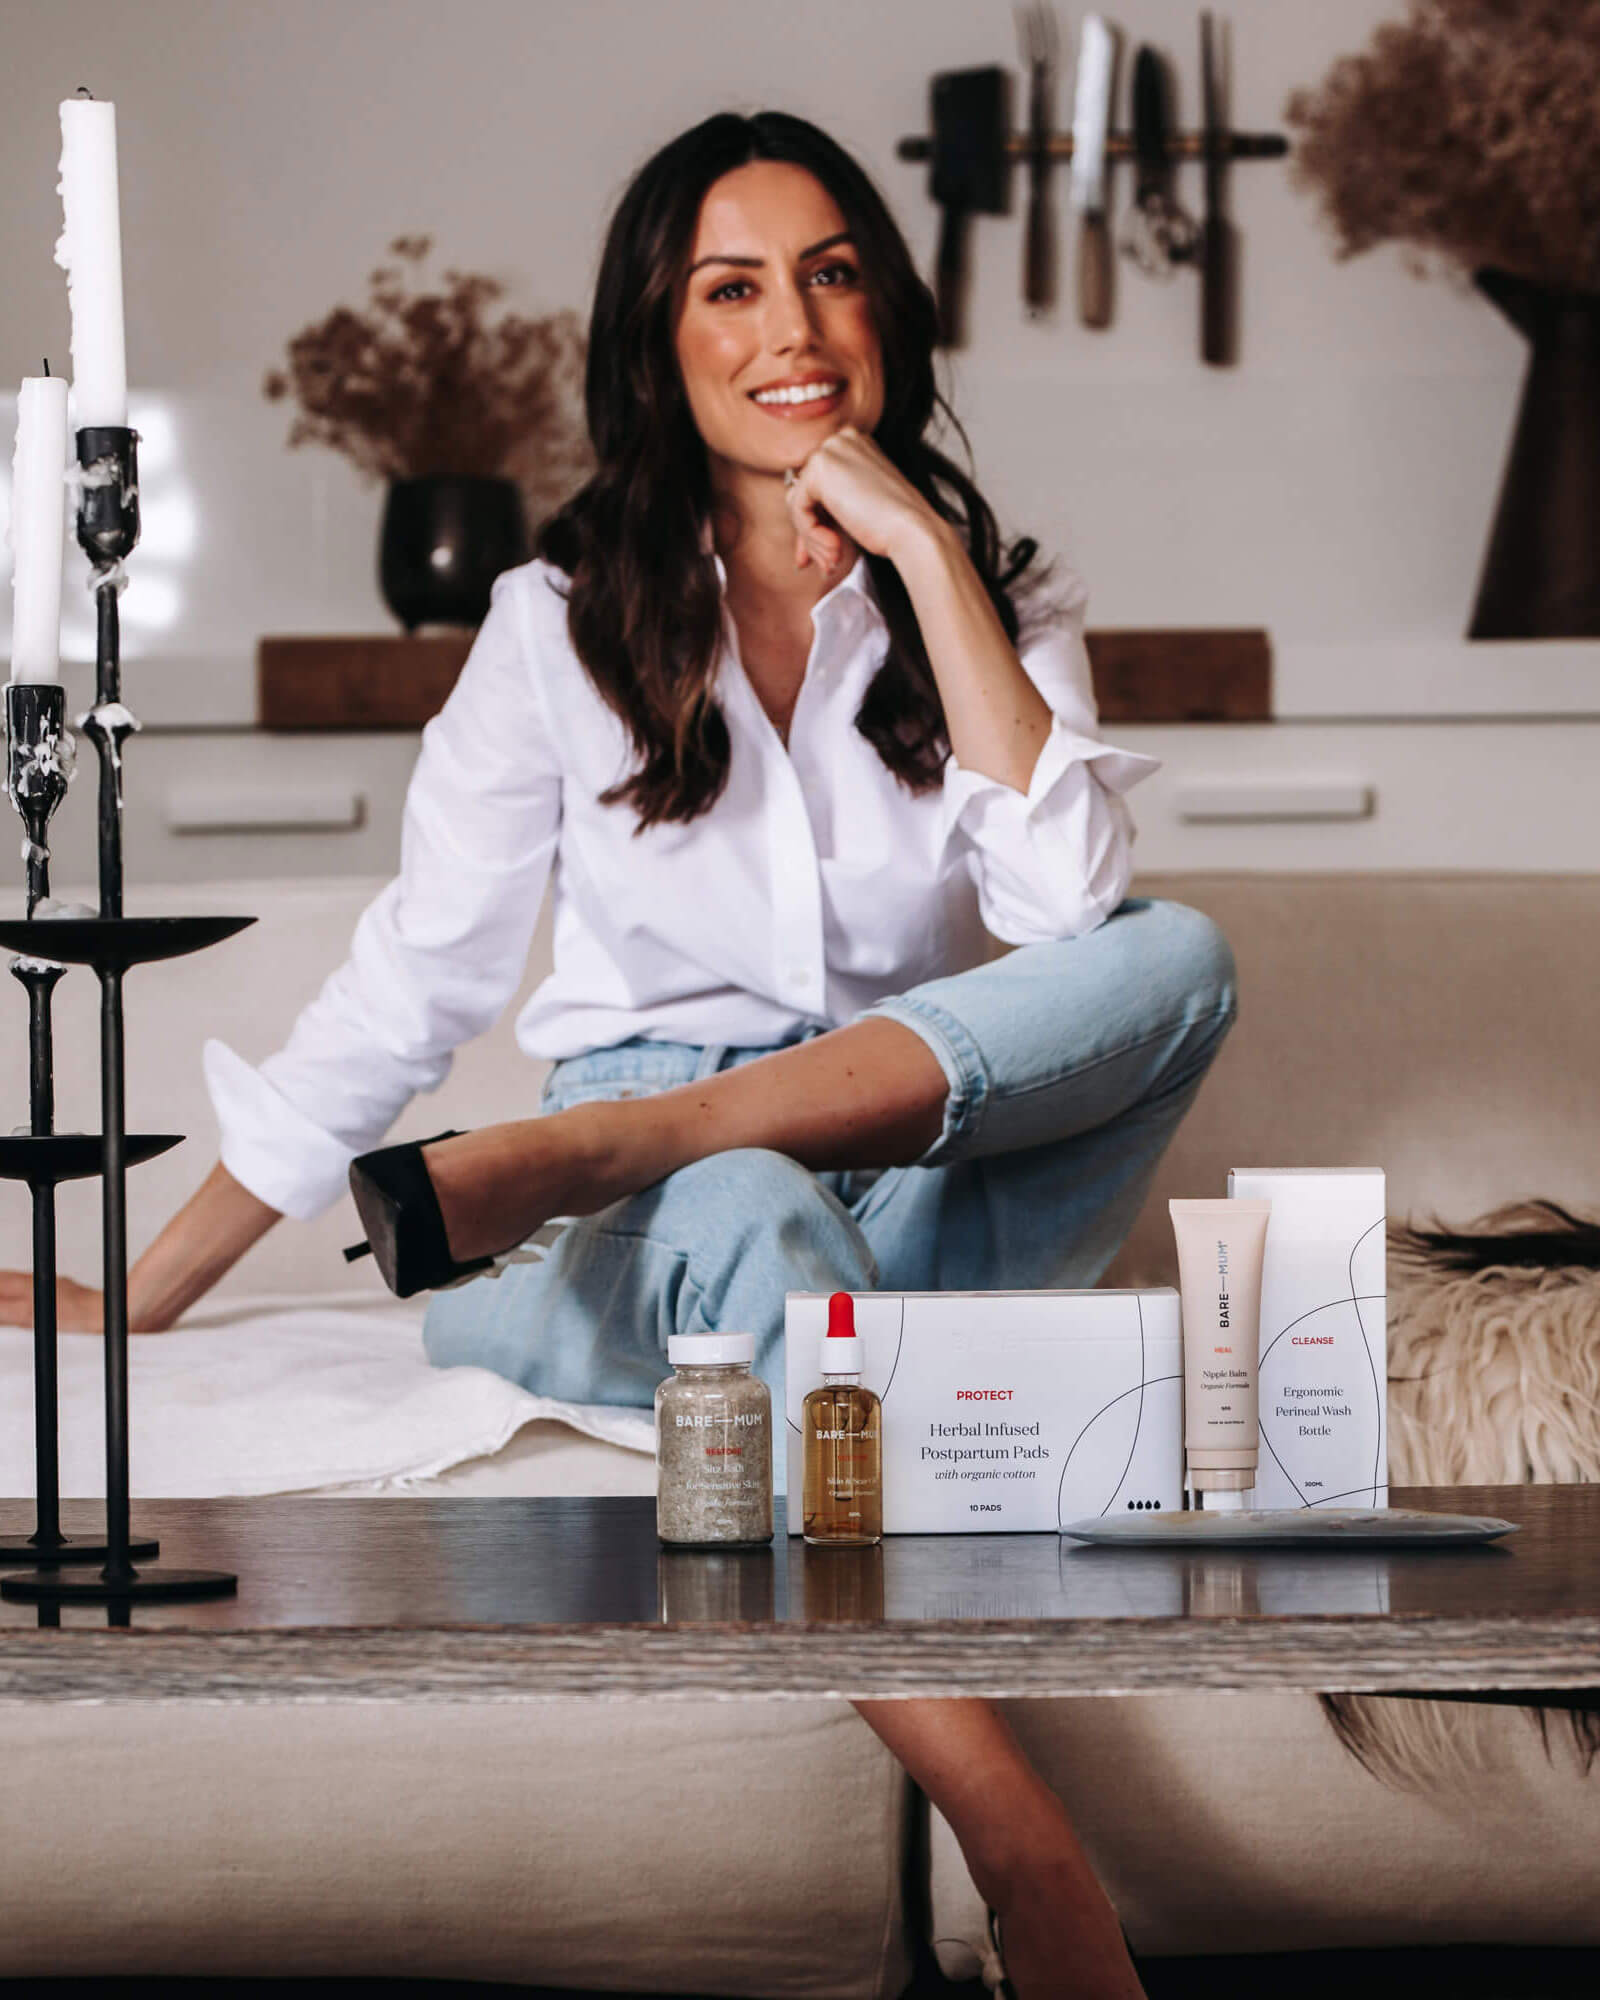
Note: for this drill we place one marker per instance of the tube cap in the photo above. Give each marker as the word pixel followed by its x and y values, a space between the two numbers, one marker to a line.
pixel 710 1350
pixel 1222 1500
pixel 841 1349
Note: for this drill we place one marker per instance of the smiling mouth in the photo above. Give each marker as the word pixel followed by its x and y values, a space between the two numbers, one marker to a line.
pixel 805 396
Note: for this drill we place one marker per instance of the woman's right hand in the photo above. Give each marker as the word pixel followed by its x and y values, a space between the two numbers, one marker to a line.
pixel 78 1307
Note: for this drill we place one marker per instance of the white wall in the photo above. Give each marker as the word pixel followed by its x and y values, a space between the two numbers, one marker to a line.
pixel 1336 486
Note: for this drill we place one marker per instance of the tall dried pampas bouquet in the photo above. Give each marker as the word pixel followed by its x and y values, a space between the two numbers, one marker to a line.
pixel 1469 132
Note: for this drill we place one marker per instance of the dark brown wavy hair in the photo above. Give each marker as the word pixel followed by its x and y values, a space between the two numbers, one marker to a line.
pixel 644 607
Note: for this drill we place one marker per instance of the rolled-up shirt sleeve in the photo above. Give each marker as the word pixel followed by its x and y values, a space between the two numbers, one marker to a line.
pixel 435 957
pixel 1056 860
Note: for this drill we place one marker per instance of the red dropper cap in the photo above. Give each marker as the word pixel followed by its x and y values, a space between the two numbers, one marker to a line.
pixel 842 1347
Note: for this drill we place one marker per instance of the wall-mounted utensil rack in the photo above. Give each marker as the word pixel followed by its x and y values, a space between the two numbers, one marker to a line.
pixel 1119 146
pixel 972 144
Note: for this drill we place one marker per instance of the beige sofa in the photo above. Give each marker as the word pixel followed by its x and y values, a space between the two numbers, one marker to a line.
pixel 1439 1026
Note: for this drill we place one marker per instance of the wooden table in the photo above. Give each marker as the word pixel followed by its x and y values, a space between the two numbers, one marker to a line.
pixel 516 1600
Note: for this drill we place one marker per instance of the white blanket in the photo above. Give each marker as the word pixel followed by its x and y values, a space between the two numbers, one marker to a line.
pixel 279 1396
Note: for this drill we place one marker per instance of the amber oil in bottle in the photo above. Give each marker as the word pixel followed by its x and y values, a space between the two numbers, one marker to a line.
pixel 842 1430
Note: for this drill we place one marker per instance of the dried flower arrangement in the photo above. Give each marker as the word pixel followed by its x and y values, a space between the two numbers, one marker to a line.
pixel 1470 133
pixel 422 382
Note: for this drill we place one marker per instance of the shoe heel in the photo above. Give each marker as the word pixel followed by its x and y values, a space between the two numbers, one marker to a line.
pixel 395 1199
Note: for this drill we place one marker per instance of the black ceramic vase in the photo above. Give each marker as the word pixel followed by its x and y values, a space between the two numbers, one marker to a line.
pixel 1541 576
pixel 443 543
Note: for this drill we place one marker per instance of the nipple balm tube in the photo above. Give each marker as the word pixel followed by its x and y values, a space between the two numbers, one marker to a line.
pixel 1220 1246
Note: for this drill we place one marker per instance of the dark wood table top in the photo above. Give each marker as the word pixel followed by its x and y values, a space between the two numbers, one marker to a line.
pixel 513 1599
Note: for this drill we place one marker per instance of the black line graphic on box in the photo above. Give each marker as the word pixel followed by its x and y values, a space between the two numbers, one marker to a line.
pixel 1328 1305
pixel 1137 1389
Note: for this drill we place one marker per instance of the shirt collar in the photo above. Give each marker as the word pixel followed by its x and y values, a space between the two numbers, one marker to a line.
pixel 855 584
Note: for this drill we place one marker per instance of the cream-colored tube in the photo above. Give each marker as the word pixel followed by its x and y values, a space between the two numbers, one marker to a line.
pixel 1220 1245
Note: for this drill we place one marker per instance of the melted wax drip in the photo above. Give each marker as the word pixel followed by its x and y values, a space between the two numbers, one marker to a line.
pixel 95 478
pixel 35 764
pixel 110 722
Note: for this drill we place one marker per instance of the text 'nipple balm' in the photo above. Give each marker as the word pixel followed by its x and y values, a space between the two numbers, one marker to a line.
pixel 1220 1248
pixel 842 1429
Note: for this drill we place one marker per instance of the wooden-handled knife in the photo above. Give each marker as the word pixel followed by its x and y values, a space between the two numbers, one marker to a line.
pixel 1036 25
pixel 1216 253
pixel 1091 121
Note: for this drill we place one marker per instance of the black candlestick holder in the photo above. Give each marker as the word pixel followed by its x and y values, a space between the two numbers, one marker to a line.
pixel 108 529
pixel 38 768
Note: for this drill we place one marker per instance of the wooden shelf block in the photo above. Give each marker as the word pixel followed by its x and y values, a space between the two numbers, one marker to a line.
pixel 1211 675
pixel 396 682
pixel 389 682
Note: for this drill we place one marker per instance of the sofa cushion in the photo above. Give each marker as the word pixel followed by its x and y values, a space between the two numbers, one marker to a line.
pixel 1239 1823
pixel 673 1847
pixel 1438 1026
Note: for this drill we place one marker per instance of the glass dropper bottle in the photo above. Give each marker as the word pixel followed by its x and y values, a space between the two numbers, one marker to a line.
pixel 842 1432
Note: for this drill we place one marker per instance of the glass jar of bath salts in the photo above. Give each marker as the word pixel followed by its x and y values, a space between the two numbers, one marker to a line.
pixel 713 1445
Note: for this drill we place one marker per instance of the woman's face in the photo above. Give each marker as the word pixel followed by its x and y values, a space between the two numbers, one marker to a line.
pixel 775 338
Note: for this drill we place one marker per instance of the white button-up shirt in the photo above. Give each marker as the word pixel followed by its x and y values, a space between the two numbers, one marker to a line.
pixel 816 885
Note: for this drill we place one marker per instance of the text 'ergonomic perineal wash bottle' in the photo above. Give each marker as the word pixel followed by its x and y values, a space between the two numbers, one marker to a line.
pixel 842 1429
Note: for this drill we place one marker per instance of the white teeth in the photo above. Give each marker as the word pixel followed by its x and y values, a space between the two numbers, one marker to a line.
pixel 811 392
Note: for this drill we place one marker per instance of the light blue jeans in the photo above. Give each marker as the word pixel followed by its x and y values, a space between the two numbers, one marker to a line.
pixel 1069 1066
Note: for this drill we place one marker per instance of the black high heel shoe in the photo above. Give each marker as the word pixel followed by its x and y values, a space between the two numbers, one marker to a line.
pixel 406 1238
pixel 995 1976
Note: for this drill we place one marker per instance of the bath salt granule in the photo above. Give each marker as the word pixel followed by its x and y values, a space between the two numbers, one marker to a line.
pixel 713 1444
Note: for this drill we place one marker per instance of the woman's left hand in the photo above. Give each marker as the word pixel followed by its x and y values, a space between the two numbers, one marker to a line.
pixel 847 491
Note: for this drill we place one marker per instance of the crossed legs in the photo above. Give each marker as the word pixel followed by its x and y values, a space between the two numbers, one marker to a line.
pixel 1097 1045
pixel 869 1095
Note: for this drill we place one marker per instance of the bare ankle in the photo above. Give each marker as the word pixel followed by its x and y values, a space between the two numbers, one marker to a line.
pixel 1032 1841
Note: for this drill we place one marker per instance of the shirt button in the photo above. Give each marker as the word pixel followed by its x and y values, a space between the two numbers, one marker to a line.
pixel 795 974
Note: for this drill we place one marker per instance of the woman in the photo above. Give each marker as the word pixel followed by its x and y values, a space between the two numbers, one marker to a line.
pixel 761 708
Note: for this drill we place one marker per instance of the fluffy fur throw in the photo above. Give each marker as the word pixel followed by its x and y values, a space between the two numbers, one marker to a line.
pixel 1494 1379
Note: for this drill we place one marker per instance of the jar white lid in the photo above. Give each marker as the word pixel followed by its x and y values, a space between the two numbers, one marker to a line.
pixel 710 1350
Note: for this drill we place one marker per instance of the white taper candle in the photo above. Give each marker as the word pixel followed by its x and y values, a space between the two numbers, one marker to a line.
pixel 89 250
pixel 38 515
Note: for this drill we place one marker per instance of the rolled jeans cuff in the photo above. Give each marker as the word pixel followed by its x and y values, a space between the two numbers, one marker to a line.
pixel 965 1070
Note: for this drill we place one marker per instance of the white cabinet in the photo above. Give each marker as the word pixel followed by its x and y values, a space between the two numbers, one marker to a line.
pixel 208 805
pixel 1521 796
pixel 231 804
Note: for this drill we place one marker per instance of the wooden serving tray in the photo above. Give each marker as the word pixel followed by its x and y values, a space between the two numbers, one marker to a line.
pixel 396 682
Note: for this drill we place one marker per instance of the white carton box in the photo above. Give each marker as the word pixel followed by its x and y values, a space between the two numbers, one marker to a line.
pixel 1324 1336
pixel 1007 1411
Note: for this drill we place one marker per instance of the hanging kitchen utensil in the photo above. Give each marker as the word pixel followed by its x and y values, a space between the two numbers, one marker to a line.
pixel 970 111
pixel 1091 123
pixel 1218 263
pixel 1036 28
pixel 972 145
pixel 1159 235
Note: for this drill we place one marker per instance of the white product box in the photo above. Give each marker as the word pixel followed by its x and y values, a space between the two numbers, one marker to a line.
pixel 1007 1411
pixel 1324 1336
